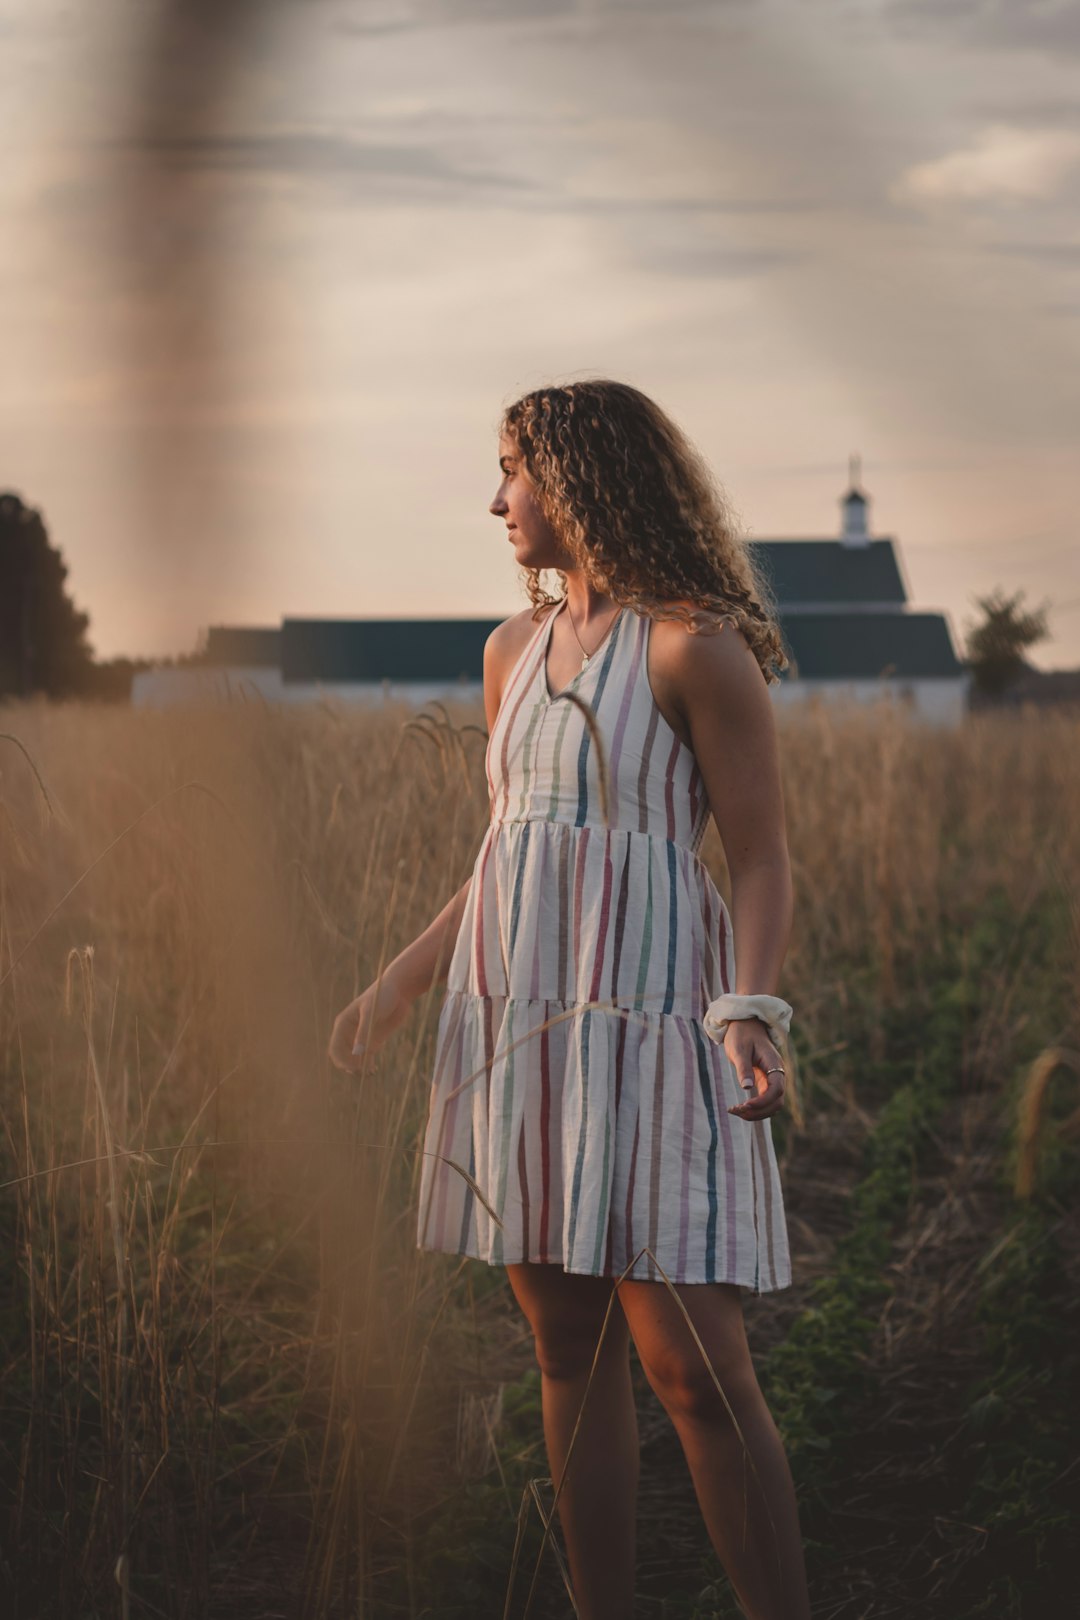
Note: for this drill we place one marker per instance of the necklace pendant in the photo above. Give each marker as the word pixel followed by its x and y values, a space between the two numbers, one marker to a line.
pixel 585 660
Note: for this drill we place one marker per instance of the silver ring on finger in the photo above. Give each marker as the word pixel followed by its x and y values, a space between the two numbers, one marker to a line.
pixel 776 1071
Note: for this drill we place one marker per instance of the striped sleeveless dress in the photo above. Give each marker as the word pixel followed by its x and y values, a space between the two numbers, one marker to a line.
pixel 573 1084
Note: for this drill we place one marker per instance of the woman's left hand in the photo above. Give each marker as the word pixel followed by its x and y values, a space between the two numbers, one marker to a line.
pixel 747 1044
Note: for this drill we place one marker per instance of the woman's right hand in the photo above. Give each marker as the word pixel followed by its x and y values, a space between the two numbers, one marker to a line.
pixel 368 1021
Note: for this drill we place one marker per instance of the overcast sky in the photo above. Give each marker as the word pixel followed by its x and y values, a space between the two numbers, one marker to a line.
pixel 266 281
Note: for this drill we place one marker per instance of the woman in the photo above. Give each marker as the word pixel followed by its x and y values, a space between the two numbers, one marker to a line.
pixel 595 1030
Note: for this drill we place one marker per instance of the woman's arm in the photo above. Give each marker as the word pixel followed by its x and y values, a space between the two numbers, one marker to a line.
pixel 427 960
pixel 371 1018
pixel 716 684
pixel 428 957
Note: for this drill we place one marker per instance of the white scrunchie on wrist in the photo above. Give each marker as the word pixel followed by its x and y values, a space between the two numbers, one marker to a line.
pixel 773 1012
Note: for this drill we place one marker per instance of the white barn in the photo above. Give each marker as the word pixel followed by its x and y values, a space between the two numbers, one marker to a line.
pixel 850 633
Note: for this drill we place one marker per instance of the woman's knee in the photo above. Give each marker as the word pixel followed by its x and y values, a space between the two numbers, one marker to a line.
pixel 570 1319
pixel 566 1345
pixel 701 1389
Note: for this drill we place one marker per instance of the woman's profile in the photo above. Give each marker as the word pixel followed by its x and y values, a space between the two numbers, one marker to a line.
pixel 606 1060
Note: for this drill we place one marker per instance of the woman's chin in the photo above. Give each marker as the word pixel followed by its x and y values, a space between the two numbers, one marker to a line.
pixel 527 556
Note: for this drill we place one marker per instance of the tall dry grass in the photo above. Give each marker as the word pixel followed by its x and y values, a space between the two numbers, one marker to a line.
pixel 224 1353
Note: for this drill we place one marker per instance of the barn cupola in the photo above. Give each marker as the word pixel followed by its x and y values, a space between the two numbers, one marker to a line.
pixel 854 506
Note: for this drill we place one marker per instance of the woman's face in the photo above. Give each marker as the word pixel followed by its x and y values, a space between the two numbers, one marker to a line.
pixel 528 530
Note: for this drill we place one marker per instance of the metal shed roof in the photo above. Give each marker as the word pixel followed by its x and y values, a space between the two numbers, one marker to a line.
pixel 384 649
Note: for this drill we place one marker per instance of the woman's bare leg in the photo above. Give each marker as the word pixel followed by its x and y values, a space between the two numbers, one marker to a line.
pixel 598 1501
pixel 750 1512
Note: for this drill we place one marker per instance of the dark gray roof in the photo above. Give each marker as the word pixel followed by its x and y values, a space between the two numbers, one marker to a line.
pixel 236 645
pixel 384 649
pixel 858 646
pixel 828 571
pixel 825 646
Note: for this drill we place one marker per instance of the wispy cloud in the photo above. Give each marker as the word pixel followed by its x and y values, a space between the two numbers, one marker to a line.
pixel 1066 253
pixel 1046 26
pixel 1026 108
pixel 375 166
pixel 661 254
pixel 1002 164
pixel 309 154
pixel 404 16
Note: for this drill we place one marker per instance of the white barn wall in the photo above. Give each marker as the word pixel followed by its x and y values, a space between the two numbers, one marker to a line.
pixel 161 688
pixel 376 693
pixel 940 701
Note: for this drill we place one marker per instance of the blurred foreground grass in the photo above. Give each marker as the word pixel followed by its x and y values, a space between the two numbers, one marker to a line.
pixel 232 1385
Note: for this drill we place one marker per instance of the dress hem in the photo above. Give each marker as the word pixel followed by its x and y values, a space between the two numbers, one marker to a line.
pixel 582 1271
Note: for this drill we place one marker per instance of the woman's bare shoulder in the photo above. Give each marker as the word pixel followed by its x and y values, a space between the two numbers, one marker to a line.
pixel 502 649
pixel 710 645
pixel 510 637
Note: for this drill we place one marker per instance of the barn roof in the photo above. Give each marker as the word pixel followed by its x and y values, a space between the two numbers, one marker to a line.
pixel 384 649
pixel 824 646
pixel 863 646
pixel 804 571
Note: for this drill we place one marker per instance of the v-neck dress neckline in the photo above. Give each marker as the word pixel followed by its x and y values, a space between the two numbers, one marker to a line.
pixel 550 697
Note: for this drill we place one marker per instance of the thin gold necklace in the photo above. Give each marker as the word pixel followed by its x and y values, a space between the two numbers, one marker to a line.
pixel 585 657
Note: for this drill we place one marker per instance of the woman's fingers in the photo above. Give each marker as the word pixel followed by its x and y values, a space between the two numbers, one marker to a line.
pixel 766 1102
pixel 337 1049
pixel 344 1041
pixel 752 1056
pixel 360 1056
pixel 363 1026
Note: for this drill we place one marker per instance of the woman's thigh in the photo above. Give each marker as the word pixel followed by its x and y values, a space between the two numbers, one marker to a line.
pixel 567 1312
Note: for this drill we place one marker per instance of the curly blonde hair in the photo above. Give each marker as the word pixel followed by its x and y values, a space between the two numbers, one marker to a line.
pixel 636 507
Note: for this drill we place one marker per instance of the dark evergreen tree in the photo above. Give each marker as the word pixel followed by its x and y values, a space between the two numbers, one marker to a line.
pixel 996 644
pixel 43 646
